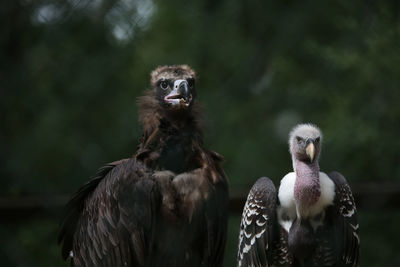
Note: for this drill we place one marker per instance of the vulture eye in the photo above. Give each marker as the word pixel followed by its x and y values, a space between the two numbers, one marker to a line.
pixel 317 139
pixel 299 139
pixel 164 85
pixel 190 82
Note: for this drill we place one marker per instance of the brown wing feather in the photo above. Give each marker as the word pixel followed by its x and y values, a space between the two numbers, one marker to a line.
pixel 113 218
pixel 217 220
pixel 75 206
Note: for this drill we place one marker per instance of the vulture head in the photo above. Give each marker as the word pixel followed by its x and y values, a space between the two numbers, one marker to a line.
pixel 305 143
pixel 174 87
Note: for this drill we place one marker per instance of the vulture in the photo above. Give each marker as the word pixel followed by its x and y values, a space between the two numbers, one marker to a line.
pixel 164 206
pixel 311 220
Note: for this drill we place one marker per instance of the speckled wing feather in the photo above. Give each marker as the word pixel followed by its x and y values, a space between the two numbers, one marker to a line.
pixel 346 222
pixel 256 228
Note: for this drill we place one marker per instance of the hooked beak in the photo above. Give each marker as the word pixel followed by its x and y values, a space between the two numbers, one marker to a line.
pixel 180 95
pixel 310 151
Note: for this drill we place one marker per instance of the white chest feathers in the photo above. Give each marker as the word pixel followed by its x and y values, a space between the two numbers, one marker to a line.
pixel 288 211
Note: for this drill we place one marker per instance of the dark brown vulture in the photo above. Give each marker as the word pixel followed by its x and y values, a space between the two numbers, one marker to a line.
pixel 310 221
pixel 166 205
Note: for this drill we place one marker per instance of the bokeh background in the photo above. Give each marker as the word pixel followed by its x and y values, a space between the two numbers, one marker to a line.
pixel 70 73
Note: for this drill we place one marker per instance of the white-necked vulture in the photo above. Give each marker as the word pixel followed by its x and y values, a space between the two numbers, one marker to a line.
pixel 164 206
pixel 310 221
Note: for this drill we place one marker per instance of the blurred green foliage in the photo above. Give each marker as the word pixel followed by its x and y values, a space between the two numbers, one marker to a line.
pixel 70 73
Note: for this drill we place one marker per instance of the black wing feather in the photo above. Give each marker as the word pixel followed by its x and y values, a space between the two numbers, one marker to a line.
pixel 256 228
pixel 346 225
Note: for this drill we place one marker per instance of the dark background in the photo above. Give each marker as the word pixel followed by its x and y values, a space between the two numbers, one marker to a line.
pixel 70 73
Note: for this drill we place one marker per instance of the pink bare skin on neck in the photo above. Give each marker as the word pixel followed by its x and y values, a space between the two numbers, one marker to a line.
pixel 307 189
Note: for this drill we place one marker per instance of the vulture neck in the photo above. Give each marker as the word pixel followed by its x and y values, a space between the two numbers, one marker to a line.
pixel 307 189
pixel 172 140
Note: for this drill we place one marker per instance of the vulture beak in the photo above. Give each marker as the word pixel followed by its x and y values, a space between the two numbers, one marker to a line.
pixel 180 95
pixel 310 150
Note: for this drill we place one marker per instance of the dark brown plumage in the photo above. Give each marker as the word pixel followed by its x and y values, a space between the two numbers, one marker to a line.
pixel 165 206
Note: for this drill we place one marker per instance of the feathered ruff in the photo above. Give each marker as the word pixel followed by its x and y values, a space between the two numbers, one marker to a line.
pixel 160 125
